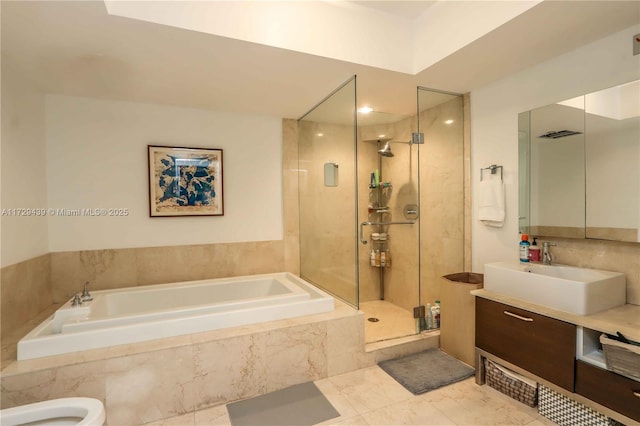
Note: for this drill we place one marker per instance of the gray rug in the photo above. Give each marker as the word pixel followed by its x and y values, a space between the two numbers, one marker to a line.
pixel 426 371
pixel 298 405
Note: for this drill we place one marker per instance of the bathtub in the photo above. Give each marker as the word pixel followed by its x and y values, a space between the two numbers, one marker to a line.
pixel 136 314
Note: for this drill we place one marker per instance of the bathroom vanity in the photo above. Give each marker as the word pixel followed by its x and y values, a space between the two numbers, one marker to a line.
pixel 559 350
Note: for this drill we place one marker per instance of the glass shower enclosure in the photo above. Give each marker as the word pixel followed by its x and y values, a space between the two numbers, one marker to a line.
pixel 327 194
pixel 381 205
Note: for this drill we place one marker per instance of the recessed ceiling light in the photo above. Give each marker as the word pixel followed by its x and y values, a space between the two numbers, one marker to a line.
pixel 449 121
pixel 365 110
pixel 320 134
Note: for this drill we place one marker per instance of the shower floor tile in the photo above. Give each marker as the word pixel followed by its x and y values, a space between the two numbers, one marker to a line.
pixel 393 321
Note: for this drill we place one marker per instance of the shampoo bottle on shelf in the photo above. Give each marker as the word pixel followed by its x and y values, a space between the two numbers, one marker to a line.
pixel 524 248
pixel 436 318
pixel 373 258
pixel 377 258
pixel 429 317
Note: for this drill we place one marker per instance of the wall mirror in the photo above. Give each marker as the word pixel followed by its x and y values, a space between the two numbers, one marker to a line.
pixel 579 166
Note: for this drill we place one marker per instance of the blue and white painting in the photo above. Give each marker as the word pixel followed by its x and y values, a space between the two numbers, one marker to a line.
pixel 185 181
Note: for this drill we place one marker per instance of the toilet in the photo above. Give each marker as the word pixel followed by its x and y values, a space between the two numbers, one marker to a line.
pixel 56 412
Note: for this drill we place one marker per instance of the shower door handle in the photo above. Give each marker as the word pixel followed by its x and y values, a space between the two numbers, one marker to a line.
pixel 362 240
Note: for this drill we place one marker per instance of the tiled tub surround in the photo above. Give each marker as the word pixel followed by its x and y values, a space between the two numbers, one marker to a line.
pixel 153 380
pixel 135 314
pixel 31 286
pixel 25 292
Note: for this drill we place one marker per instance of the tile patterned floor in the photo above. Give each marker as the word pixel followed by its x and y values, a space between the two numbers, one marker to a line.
pixel 394 321
pixel 370 397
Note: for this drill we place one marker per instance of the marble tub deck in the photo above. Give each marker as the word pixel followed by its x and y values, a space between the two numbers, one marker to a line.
pixel 160 379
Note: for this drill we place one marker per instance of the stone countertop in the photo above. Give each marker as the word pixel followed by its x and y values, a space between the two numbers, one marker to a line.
pixel 624 319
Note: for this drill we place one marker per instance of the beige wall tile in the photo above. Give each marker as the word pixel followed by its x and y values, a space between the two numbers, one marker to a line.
pixel 467 181
pixel 290 195
pixel 25 291
pixel 605 255
pixel 104 269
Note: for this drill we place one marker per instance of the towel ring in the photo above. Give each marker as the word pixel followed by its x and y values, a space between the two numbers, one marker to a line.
pixel 493 169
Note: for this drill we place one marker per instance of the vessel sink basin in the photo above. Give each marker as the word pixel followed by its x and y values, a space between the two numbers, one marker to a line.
pixel 579 291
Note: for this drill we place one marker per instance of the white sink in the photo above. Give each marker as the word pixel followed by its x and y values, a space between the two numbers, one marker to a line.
pixel 579 291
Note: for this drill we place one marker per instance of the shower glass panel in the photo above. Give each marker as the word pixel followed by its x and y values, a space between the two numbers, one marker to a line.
pixel 328 228
pixel 441 118
pixel 389 246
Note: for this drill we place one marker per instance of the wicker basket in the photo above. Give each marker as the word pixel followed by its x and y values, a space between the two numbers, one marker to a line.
pixel 566 412
pixel 508 383
pixel 622 358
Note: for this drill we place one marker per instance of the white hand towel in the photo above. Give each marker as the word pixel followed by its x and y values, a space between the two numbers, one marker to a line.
pixel 491 196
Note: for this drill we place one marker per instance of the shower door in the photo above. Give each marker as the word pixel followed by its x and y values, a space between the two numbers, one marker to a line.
pixel 328 193
pixel 389 221
pixel 440 120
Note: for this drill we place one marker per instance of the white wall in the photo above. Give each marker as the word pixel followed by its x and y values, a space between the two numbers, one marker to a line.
pixel 23 168
pixel 494 123
pixel 97 158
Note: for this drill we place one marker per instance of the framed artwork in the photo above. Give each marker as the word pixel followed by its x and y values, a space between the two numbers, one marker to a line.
pixel 185 181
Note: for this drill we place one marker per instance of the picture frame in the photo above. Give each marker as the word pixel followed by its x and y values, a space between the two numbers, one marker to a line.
pixel 185 181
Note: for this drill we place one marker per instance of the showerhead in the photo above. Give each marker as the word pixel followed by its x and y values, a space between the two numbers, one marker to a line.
pixel 386 150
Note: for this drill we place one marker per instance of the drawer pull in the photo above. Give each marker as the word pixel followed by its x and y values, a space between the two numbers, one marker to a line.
pixel 637 394
pixel 511 314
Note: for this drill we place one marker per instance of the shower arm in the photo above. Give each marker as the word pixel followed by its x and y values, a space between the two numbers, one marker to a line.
pixel 362 224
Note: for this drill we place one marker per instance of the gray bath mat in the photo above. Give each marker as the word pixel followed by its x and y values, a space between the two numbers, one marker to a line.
pixel 426 371
pixel 298 405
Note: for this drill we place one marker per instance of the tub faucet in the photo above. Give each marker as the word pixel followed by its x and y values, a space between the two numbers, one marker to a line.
pixel 86 296
pixel 546 253
pixel 77 300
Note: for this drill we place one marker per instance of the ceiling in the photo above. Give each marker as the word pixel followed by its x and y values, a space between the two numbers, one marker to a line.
pixel 406 9
pixel 76 48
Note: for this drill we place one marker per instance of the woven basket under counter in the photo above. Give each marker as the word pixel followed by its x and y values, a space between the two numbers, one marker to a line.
pixel 621 358
pixel 509 385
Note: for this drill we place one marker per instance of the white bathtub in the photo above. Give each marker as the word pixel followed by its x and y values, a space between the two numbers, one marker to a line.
pixel 136 314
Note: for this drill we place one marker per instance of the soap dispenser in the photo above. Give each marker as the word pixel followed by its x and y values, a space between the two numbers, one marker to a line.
pixel 534 251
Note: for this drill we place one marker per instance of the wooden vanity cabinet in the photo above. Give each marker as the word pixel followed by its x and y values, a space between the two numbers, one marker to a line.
pixel 541 345
pixel 607 388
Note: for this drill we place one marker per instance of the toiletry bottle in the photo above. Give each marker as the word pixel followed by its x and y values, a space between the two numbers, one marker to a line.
pixel 388 258
pixel 429 317
pixel 524 248
pixel 534 251
pixel 383 259
pixel 373 257
pixel 434 318
pixel 378 258
pixel 437 316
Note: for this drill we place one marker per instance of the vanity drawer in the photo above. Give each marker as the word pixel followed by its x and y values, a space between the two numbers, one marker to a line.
pixel 607 388
pixel 541 345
